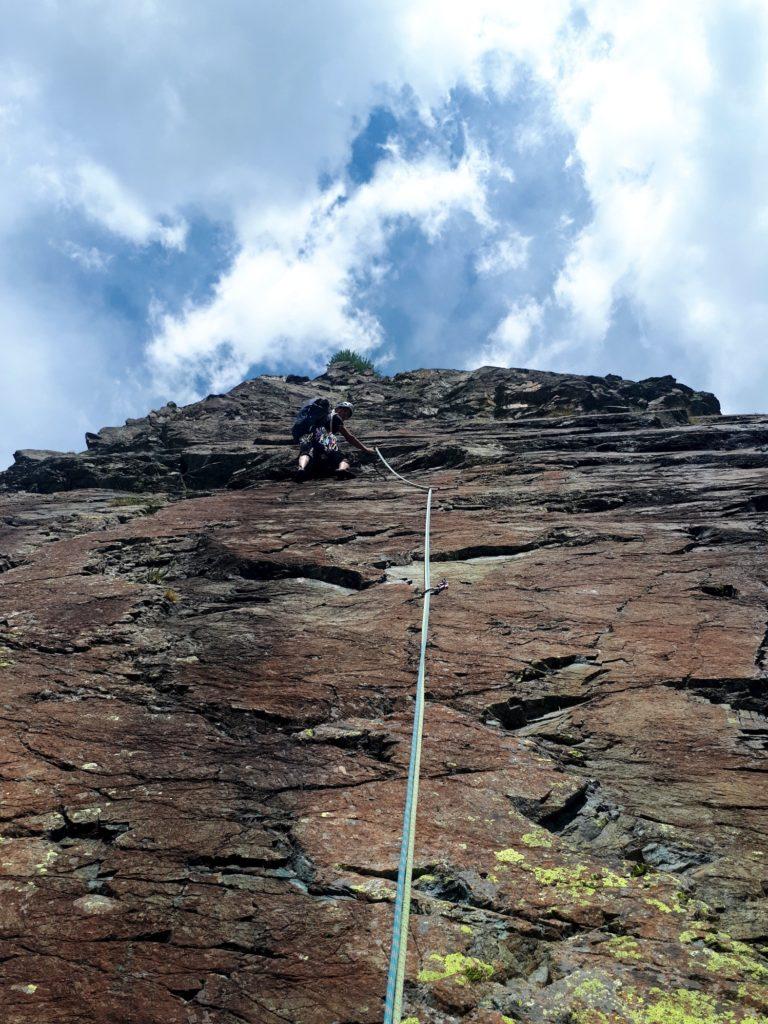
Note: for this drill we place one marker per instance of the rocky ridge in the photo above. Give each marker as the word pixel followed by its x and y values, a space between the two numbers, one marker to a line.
pixel 207 675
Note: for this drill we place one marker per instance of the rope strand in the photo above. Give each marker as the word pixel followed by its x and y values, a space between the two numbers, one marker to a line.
pixel 396 977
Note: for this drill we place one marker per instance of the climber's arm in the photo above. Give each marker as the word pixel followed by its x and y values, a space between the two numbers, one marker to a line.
pixel 354 441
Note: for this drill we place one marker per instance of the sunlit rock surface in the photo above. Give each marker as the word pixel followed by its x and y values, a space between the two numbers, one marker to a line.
pixel 207 674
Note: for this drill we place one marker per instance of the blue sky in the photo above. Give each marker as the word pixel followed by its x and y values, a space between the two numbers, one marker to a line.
pixel 190 196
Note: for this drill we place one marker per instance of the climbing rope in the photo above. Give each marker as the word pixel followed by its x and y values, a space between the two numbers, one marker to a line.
pixel 394 1000
pixel 410 483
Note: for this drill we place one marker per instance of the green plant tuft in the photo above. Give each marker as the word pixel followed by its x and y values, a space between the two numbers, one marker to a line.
pixel 348 355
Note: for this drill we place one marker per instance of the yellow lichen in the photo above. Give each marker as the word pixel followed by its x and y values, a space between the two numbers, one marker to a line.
pixel 537 838
pixel 509 856
pixel 752 993
pixel 623 948
pixel 576 882
pixel 613 881
pixel 734 957
pixel 658 904
pixel 681 1006
pixel 48 858
pixel 461 969
pixel 590 988
pixel 376 891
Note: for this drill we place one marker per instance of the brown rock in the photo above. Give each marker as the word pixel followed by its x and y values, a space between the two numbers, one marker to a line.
pixel 207 703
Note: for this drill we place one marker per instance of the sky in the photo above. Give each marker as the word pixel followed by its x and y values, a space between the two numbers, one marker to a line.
pixel 194 193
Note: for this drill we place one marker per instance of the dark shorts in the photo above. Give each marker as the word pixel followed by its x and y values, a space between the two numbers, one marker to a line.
pixel 320 457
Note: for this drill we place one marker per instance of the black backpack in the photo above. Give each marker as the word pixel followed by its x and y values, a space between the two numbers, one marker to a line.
pixel 312 414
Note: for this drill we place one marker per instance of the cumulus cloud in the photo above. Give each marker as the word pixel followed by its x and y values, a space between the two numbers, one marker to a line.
pixel 642 91
pixel 105 200
pixel 509 253
pixel 124 124
pixel 509 342
pixel 88 257
pixel 290 291
pixel 667 107
pixel 56 393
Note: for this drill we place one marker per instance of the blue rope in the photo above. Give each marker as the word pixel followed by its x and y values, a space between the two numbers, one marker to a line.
pixel 396 976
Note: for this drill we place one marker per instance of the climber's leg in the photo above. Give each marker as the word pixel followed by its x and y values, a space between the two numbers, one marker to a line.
pixel 303 471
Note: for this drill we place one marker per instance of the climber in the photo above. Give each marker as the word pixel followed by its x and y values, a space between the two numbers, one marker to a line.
pixel 319 449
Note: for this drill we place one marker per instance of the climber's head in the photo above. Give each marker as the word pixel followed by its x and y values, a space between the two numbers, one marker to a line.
pixel 344 409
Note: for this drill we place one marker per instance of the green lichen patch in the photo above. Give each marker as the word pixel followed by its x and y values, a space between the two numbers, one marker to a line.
pixel 509 856
pixel 577 883
pixel 623 948
pixel 696 933
pixel 28 989
pixel 658 904
pixel 676 1006
pixel 733 958
pixel 564 877
pixel 612 880
pixel 682 1006
pixel 375 891
pixel 590 988
pixel 684 903
pixel 463 970
pixel 537 837
pixel 755 995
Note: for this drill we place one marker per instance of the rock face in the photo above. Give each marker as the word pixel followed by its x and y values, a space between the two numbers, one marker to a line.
pixel 207 674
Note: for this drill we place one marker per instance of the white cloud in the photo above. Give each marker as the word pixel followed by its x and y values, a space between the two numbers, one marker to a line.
pixel 136 116
pixel 290 290
pixel 509 343
pixel 106 201
pixel 88 257
pixel 668 106
pixel 50 395
pixel 510 253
